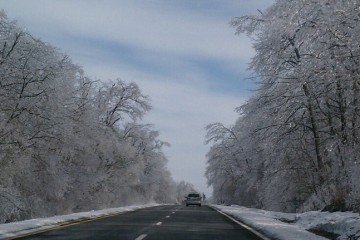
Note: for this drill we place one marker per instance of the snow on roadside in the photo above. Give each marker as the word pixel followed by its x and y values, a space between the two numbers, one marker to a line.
pixel 284 226
pixel 344 224
pixel 9 230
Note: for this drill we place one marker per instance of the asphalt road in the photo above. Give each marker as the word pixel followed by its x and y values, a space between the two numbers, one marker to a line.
pixel 170 222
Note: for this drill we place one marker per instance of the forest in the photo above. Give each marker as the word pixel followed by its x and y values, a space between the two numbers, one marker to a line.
pixel 295 145
pixel 70 143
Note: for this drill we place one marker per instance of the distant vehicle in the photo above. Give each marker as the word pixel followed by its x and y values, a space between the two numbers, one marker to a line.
pixel 193 199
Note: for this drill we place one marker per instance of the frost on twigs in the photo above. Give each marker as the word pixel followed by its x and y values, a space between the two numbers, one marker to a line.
pixel 298 135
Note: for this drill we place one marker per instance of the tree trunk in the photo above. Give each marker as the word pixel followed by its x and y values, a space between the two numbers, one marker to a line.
pixel 314 129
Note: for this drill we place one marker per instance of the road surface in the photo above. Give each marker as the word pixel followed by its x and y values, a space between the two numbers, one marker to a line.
pixel 170 222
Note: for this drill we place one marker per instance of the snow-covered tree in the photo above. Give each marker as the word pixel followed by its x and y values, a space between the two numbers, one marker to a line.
pixel 303 119
pixel 69 143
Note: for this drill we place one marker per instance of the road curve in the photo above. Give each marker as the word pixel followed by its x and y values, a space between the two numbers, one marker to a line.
pixel 170 222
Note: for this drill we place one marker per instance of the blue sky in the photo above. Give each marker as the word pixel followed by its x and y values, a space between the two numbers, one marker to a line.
pixel 183 54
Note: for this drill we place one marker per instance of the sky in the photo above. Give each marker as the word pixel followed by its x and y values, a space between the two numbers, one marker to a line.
pixel 183 54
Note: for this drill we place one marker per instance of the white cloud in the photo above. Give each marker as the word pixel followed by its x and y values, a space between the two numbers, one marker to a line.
pixel 181 110
pixel 166 37
pixel 152 27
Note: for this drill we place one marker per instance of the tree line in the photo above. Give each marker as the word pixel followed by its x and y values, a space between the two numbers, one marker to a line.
pixel 70 143
pixel 295 145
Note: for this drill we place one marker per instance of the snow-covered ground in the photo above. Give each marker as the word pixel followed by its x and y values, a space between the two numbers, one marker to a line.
pixel 275 225
pixel 34 225
pixel 285 226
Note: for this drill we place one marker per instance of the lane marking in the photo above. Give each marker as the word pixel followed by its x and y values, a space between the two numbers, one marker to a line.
pixel 66 224
pixel 173 213
pixel 158 224
pixel 167 216
pixel 141 237
pixel 242 224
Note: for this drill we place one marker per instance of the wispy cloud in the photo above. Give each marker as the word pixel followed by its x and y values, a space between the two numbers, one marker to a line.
pixel 153 26
pixel 183 54
pixel 181 110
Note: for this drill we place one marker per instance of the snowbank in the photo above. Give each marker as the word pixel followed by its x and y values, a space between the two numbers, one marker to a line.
pixel 284 226
pixel 34 225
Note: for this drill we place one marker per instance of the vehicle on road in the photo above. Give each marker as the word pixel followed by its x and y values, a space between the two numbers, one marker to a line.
pixel 193 199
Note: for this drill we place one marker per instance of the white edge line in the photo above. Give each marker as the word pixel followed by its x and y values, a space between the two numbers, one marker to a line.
pixel 54 225
pixel 141 237
pixel 243 225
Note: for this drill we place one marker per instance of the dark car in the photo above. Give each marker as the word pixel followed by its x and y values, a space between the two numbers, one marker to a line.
pixel 193 199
